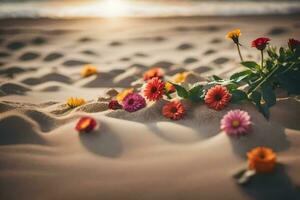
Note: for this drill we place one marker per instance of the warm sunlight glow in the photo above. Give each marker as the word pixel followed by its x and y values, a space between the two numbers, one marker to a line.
pixel 114 8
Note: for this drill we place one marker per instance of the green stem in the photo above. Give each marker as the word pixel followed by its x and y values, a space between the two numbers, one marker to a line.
pixel 263 81
pixel 262 60
pixel 238 47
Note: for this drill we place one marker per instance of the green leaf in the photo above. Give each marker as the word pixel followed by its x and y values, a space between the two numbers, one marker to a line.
pixel 216 78
pixel 197 93
pixel 181 91
pixel 237 96
pixel 251 65
pixel 269 95
pixel 240 76
pixel 263 108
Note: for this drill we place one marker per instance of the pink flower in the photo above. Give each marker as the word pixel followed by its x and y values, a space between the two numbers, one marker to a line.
pixel 236 123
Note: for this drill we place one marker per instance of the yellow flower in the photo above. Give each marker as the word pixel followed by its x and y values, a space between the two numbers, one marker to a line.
pixel 169 87
pixel 234 35
pixel 88 70
pixel 75 102
pixel 180 77
pixel 123 94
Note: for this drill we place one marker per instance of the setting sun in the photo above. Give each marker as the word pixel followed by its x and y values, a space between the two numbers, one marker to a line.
pixel 114 8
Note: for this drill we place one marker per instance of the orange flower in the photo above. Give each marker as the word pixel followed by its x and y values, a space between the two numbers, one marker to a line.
pixel 154 72
pixel 88 70
pixel 234 35
pixel 173 110
pixel 75 102
pixel 217 97
pixel 169 87
pixel 123 94
pixel 180 77
pixel 261 159
pixel 86 124
pixel 154 89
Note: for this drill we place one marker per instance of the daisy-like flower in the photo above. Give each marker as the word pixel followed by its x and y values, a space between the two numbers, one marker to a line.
pixel 173 110
pixel 293 44
pixel 120 97
pixel 260 43
pixel 234 35
pixel 261 159
pixel 88 70
pixel 180 77
pixel 236 123
pixel 217 97
pixel 133 102
pixel 154 89
pixel 169 87
pixel 114 105
pixel 154 72
pixel 86 124
pixel 75 102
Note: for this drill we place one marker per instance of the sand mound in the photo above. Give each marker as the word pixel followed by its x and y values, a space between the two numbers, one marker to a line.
pixel 17 129
pixel 13 88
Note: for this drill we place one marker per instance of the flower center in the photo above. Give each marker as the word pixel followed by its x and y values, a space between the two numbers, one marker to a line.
pixel 173 110
pixel 262 155
pixel 235 123
pixel 131 101
pixel 218 97
pixel 153 89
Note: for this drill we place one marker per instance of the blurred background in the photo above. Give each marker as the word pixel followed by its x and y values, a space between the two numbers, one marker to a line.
pixel 144 8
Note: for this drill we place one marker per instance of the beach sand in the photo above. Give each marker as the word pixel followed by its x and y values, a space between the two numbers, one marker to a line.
pixel 141 155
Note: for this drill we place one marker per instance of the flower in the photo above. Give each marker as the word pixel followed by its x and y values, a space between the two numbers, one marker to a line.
pixel 217 97
pixel 173 110
pixel 75 102
pixel 114 105
pixel 88 70
pixel 86 124
pixel 260 43
pixel 294 44
pixel 261 159
pixel 169 87
pixel 234 35
pixel 133 102
pixel 180 77
pixel 154 89
pixel 120 97
pixel 236 123
pixel 154 72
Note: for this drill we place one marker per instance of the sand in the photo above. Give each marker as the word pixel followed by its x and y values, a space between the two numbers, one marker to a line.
pixel 141 155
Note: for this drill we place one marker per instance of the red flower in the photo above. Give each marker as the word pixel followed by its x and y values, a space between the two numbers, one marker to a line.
pixel 217 97
pixel 154 89
pixel 154 72
pixel 294 44
pixel 260 43
pixel 86 124
pixel 114 105
pixel 173 110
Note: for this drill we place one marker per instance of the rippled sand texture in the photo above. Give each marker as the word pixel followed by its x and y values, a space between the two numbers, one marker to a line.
pixel 142 155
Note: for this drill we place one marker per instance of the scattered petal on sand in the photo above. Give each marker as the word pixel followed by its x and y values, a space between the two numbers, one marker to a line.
pixel 88 70
pixel 86 124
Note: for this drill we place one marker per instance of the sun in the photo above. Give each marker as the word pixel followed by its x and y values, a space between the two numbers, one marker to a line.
pixel 114 8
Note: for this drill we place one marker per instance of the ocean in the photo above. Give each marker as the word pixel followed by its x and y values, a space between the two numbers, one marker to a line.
pixel 143 8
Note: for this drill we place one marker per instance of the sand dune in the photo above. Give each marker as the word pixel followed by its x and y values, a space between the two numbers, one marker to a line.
pixel 139 155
